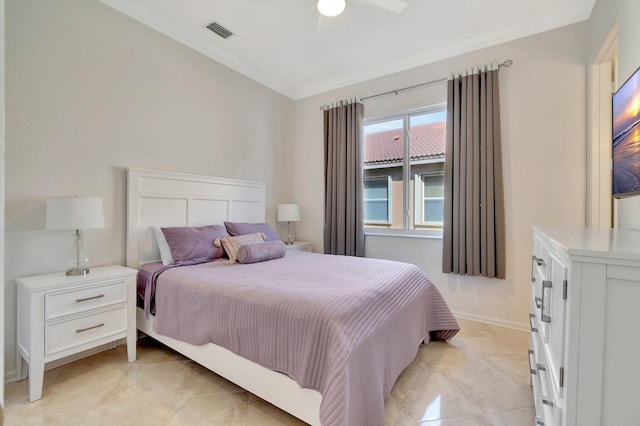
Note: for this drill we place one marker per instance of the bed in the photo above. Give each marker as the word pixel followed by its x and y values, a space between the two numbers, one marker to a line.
pixel 349 375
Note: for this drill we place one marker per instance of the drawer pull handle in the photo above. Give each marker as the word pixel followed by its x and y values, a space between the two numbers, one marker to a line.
pixel 538 260
pixel 531 370
pixel 538 302
pixel 532 317
pixel 547 402
pixel 89 298
pixel 82 330
pixel 539 421
pixel 533 273
pixel 541 367
pixel 545 318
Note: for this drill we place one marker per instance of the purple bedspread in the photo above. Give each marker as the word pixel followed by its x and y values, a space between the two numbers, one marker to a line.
pixel 343 326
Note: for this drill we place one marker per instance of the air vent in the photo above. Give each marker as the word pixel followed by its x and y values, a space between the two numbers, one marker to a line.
pixel 220 30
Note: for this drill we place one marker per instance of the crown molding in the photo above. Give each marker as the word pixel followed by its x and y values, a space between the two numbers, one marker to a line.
pixel 496 35
pixel 548 20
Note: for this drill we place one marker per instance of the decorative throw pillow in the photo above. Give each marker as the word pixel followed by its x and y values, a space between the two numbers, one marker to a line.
pixel 243 228
pixel 194 242
pixel 259 252
pixel 163 246
pixel 231 244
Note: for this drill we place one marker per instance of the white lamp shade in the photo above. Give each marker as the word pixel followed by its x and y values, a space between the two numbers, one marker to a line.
pixel 288 212
pixel 70 213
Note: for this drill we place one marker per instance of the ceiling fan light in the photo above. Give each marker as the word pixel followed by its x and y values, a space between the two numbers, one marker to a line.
pixel 331 7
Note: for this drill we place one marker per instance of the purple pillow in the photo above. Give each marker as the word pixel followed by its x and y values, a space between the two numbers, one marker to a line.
pixel 243 228
pixel 194 242
pixel 259 252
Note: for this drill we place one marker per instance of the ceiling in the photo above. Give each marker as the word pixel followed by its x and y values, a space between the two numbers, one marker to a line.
pixel 287 46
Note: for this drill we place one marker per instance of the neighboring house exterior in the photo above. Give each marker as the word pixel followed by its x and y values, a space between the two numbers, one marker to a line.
pixel 384 177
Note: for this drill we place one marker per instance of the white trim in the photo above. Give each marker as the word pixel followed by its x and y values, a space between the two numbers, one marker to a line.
pixel 413 233
pixel 512 30
pixel 419 199
pixel 389 200
pixel 599 162
pixel 560 16
pixel 493 321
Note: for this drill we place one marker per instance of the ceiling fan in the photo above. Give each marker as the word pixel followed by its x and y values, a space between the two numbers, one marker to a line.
pixel 336 7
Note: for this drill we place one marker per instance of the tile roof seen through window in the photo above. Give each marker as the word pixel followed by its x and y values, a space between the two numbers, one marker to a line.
pixel 427 141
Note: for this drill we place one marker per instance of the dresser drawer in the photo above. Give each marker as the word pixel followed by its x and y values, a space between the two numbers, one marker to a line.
pixel 535 384
pixel 549 407
pixel 58 304
pixel 67 334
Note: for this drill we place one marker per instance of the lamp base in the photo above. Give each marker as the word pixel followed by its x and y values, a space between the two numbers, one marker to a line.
pixel 290 237
pixel 77 271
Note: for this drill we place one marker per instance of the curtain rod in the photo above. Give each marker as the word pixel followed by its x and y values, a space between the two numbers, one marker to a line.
pixel 505 64
pixel 339 103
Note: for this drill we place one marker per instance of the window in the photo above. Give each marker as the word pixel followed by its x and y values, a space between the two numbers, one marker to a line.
pixel 404 156
pixel 429 199
pixel 377 200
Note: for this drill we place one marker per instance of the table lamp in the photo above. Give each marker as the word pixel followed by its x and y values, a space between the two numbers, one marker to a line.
pixel 75 213
pixel 288 213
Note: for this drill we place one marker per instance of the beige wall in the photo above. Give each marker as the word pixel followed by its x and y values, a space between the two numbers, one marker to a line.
pixel 91 92
pixel 543 100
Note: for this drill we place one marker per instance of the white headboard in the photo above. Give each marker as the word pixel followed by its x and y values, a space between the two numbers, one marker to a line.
pixel 179 199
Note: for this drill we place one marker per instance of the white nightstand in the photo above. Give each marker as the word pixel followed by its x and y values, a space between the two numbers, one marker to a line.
pixel 60 315
pixel 299 245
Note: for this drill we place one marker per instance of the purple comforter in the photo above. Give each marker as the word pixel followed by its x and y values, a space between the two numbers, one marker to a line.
pixel 343 326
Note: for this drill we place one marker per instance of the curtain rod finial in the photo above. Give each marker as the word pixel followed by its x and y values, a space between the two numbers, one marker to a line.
pixel 506 64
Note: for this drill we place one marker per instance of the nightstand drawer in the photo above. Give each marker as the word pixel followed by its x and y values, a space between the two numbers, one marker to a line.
pixel 83 299
pixel 66 334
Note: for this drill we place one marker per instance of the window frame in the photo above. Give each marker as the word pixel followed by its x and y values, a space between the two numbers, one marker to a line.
pixel 389 220
pixel 432 232
pixel 420 198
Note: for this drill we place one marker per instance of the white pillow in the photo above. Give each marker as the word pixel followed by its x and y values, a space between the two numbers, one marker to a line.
pixel 163 246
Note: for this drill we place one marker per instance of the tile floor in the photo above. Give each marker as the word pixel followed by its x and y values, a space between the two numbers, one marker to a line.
pixel 479 378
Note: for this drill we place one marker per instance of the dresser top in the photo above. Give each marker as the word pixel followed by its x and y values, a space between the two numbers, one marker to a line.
pixel 595 242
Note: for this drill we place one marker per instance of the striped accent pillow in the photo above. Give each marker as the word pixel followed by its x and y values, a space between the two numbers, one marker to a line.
pixel 232 244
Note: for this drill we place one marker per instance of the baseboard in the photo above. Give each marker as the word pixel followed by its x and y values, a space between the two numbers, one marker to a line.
pixel 10 376
pixel 493 321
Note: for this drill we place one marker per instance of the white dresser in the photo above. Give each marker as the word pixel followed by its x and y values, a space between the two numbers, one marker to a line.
pixel 585 326
pixel 60 315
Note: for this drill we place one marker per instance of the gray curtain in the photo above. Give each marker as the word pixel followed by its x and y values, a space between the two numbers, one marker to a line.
pixel 474 229
pixel 343 215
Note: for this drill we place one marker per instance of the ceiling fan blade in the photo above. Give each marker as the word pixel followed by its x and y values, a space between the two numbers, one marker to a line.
pixel 392 5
